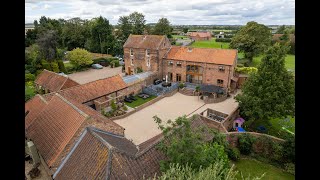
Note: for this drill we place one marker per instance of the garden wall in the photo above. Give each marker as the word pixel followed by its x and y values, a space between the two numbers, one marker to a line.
pixel 213 124
pixel 233 137
pixel 228 122
pixel 215 100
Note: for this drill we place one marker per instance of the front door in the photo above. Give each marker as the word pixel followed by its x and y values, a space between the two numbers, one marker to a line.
pixel 129 70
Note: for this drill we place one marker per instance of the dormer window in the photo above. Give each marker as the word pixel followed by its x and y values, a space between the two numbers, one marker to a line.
pixel 148 52
pixel 221 68
pixel 131 52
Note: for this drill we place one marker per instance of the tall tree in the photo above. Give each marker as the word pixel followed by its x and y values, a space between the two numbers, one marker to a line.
pixel 125 28
pixel 252 39
pixel 46 24
pixel 185 30
pixel 30 37
pixel 48 43
pixel 162 27
pixel 138 22
pixel 74 33
pixel 79 57
pixel 281 29
pixel 269 93
pixel 102 39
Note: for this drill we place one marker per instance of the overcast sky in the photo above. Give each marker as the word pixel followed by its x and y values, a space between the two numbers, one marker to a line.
pixel 193 12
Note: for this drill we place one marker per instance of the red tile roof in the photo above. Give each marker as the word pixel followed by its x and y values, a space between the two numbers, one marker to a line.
pixel 200 34
pixel 53 128
pixel 53 81
pixel 92 90
pixel 34 106
pixel 144 41
pixel 101 155
pixel 206 55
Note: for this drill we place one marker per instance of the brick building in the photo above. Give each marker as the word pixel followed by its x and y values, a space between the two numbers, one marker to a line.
pixel 200 36
pixel 184 64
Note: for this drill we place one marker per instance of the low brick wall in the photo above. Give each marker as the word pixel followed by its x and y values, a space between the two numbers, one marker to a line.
pixel 171 93
pixel 233 137
pixel 138 108
pixel 216 100
pixel 228 122
pixel 213 124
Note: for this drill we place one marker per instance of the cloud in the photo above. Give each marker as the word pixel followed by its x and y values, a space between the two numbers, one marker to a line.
pixel 178 11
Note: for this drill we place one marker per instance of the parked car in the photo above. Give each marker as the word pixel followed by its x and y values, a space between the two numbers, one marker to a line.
pixel 126 99
pixel 157 81
pixel 97 66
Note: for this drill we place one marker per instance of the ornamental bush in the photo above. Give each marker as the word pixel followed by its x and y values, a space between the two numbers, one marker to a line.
pixel 79 58
pixel 55 67
pixel 233 153
pixel 29 77
pixel 114 63
pixel 61 66
pixel 46 65
pixel 246 70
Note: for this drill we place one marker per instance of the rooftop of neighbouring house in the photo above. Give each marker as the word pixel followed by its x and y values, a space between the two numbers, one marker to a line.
pixel 53 81
pixel 207 55
pixel 144 41
pixel 200 34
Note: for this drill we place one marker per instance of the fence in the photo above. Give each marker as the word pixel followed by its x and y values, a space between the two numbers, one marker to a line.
pixel 158 90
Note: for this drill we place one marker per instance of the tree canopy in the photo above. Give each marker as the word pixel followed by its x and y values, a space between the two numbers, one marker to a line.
pixel 162 27
pixel 79 57
pixel 269 93
pixel 138 22
pixel 48 43
pixel 252 39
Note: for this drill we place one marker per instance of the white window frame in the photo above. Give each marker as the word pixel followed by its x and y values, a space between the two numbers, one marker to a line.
pixel 147 50
pixel 148 61
pixel 170 63
pixel 180 64
pixel 221 68
pixel 131 61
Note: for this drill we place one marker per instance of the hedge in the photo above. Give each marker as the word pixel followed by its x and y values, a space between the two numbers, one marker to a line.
pixel 61 66
pixel 223 40
pixel 55 67
pixel 29 77
pixel 46 65
pixel 246 70
pixel 115 63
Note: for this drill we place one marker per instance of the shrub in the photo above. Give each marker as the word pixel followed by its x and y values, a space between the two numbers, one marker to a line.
pixel 221 139
pixel 55 67
pixel 38 72
pixel 46 65
pixel 30 68
pixel 69 67
pixel 223 40
pixel 197 88
pixel 139 70
pixel 61 66
pixel 125 108
pixel 29 77
pixel 290 168
pixel 246 70
pixel 181 85
pixel 114 63
pixel 245 143
pixel 240 65
pixel 289 150
pixel 233 153
pixel 79 58
pixel 29 92
pixel 113 105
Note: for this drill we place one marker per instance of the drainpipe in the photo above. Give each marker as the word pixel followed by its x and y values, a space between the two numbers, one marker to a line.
pixel 229 79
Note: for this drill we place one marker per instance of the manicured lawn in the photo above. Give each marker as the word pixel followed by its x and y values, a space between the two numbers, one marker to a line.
pixel 290 61
pixel 179 37
pixel 139 101
pixel 210 44
pixel 257 168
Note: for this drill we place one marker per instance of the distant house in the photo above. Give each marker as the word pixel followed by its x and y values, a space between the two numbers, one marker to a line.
pixel 220 35
pixel 200 36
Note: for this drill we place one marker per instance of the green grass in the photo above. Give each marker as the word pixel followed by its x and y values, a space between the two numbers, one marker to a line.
pixel 210 44
pixel 139 101
pixel 290 61
pixel 179 37
pixel 256 169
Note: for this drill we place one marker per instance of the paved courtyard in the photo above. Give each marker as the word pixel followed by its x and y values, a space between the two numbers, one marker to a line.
pixel 140 126
pixel 95 74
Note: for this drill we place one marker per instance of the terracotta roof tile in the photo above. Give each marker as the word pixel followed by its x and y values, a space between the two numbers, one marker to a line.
pixel 200 34
pixel 53 128
pixel 34 106
pixel 144 41
pixel 207 55
pixel 53 81
pixel 92 90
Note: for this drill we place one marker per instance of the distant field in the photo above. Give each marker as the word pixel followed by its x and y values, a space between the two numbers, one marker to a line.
pixel 210 44
pixel 179 37
pixel 290 61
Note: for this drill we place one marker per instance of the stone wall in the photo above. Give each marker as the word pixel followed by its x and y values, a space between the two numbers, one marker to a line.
pixel 215 100
pixel 228 122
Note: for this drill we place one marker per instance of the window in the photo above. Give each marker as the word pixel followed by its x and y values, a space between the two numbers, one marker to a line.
pixel 148 52
pixel 148 61
pixel 220 81
pixel 131 52
pixel 170 63
pixel 164 44
pixel 132 61
pixel 169 76
pixel 178 77
pixel 221 68
pixel 179 64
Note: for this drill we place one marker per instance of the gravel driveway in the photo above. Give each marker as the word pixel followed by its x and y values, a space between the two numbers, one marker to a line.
pixel 95 74
pixel 140 126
